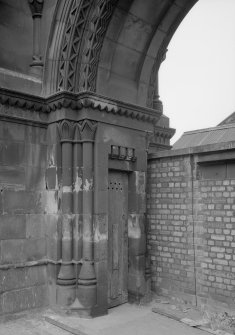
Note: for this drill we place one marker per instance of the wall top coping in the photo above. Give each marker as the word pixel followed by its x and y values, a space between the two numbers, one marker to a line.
pixel 200 150
pixel 77 102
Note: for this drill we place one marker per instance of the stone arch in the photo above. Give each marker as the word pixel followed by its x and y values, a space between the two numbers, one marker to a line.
pixel 112 47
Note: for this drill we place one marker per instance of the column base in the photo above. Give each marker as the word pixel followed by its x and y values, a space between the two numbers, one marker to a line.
pixel 65 294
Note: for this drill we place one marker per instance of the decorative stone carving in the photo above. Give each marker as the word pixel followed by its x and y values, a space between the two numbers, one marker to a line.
pixel 96 32
pixel 85 24
pixel 122 153
pixel 87 130
pixel 72 40
pixel 76 102
pixel 36 7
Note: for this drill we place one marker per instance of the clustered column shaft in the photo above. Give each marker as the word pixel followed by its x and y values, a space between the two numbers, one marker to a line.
pixel 77 146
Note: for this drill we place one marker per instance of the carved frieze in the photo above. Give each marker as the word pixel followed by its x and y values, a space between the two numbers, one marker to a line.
pixel 77 102
pixel 122 153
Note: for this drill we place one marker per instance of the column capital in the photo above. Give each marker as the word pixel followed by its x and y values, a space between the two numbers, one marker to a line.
pixel 66 130
pixel 87 130
pixel 36 7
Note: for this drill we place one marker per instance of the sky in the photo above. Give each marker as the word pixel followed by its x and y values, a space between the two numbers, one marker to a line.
pixel 197 79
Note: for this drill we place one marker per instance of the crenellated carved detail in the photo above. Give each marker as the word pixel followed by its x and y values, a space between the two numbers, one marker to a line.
pixel 82 43
pixel 66 130
pixel 96 32
pixel 87 130
pixel 39 107
pixel 72 40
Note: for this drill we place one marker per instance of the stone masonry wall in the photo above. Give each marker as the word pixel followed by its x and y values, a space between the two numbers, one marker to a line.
pixel 23 223
pixel 191 231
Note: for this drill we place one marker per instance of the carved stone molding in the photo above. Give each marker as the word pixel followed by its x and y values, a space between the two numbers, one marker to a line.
pixel 43 106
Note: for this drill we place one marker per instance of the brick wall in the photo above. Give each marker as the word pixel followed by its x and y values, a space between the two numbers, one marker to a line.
pixel 191 229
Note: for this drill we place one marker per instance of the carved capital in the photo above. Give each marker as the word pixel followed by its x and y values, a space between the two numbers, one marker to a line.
pixel 87 130
pixel 36 7
pixel 66 130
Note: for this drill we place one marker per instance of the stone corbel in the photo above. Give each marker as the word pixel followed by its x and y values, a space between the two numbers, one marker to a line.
pixel 36 7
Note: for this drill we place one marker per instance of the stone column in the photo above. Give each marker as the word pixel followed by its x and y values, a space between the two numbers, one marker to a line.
pixel 36 7
pixel 66 276
pixel 157 103
pixel 77 208
pixel 87 283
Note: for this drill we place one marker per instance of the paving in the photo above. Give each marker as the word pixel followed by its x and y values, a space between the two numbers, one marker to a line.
pixel 125 320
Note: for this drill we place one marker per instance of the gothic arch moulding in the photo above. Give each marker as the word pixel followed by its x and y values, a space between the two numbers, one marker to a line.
pixel 112 47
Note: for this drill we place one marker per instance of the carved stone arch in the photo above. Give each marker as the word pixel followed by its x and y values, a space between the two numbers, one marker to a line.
pixel 75 44
pixel 161 53
pixel 81 34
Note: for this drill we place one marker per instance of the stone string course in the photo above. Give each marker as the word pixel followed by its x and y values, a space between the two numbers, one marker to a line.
pixel 191 229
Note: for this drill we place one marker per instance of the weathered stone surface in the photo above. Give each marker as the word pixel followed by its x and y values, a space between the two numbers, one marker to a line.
pixel 22 202
pixel 12 251
pixel 12 176
pixel 35 226
pixel 27 298
pixel 14 279
pixel 12 153
pixel 51 178
pixel 35 178
pixel 34 249
pixel 12 227
pixel 36 154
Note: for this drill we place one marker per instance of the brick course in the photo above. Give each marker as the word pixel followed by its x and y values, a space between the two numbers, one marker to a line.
pixel 190 231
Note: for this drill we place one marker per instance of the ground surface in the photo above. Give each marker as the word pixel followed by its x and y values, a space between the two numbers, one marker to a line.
pixel 125 320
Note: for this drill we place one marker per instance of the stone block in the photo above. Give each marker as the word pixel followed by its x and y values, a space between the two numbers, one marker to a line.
pixel 12 227
pixel 35 226
pixel 22 202
pixel 53 238
pixel 12 251
pixel 12 131
pixel 27 298
pixel 35 135
pixel 35 178
pixel 101 271
pixel 136 234
pixel 10 175
pixel 34 249
pixel 51 178
pixel 51 202
pixel 14 279
pixel 12 153
pixel 36 155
